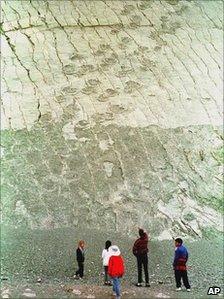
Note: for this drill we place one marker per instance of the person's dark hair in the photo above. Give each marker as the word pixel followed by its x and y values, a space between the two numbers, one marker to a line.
pixel 108 244
pixel 141 232
pixel 179 240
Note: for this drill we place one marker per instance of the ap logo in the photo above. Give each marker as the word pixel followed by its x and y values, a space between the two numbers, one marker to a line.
pixel 214 290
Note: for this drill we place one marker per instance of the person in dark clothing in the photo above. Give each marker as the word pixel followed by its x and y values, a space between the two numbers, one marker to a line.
pixel 80 257
pixel 179 265
pixel 140 250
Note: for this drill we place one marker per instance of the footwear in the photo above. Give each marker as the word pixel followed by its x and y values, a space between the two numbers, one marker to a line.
pixel 178 289
pixel 76 277
pixel 188 290
pixel 147 285
pixel 138 284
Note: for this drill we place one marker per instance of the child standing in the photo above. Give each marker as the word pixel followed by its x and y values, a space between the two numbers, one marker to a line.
pixel 179 265
pixel 116 269
pixel 80 257
pixel 105 257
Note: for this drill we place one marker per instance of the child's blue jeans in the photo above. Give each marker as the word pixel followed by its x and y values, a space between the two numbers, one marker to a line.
pixel 116 286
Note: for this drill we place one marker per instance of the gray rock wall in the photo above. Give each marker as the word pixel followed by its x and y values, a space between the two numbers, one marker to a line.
pixel 112 115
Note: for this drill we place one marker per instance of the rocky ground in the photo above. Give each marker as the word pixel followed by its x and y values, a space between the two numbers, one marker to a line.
pixel 65 289
pixel 69 288
pixel 41 264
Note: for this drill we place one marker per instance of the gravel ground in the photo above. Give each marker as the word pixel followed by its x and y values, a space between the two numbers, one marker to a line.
pixel 50 256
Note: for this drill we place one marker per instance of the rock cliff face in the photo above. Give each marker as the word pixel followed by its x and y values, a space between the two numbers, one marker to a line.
pixel 112 115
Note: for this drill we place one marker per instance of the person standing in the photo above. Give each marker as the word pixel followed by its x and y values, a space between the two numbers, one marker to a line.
pixel 80 257
pixel 140 250
pixel 179 265
pixel 106 257
pixel 116 269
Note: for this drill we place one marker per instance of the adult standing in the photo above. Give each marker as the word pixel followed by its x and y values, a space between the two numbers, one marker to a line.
pixel 140 250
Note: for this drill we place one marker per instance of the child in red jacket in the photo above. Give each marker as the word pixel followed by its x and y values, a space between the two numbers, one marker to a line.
pixel 116 269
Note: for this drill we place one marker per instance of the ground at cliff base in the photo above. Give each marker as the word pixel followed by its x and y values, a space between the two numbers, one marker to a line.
pixel 72 289
pixel 41 264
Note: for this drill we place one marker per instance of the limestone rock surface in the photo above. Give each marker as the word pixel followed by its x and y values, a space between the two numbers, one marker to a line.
pixel 112 115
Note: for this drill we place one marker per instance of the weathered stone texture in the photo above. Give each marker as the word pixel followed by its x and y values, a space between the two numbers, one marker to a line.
pixel 112 113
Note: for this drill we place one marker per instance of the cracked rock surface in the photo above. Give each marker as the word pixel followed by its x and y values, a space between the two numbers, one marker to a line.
pixel 112 110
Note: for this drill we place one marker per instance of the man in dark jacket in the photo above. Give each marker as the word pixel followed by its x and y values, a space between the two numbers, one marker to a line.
pixel 140 250
pixel 179 265
pixel 80 257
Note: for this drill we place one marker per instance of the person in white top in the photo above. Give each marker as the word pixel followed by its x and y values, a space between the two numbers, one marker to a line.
pixel 106 256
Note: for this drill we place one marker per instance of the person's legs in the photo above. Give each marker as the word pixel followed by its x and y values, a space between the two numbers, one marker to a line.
pixel 114 290
pixel 185 279
pixel 177 278
pixel 105 274
pixel 145 265
pixel 139 264
pixel 81 269
pixel 116 286
pixel 77 273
